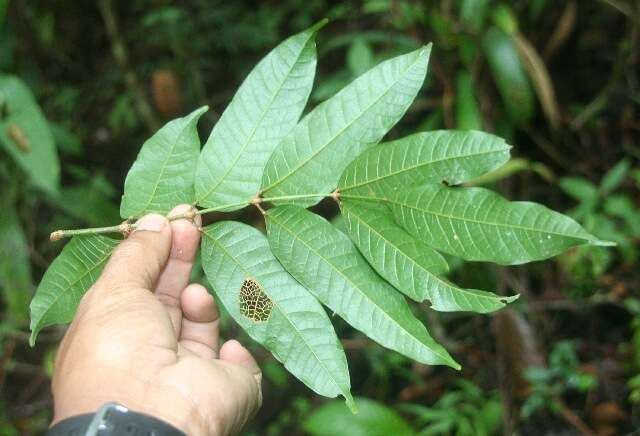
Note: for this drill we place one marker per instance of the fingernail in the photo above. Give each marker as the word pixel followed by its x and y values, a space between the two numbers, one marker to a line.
pixel 152 222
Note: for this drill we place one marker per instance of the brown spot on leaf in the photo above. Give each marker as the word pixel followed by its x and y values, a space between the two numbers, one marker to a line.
pixel 18 136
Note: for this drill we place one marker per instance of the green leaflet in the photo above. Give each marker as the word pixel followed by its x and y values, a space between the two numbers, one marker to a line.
pixel 427 157
pixel 478 224
pixel 614 177
pixel 509 75
pixel 360 56
pixel 163 174
pixel 295 328
pixel 473 13
pixel 311 158
pixel 25 134
pixel 265 109
pixel 15 267
pixel 468 116
pixel 69 276
pixel 326 262
pixel 334 419
pixel 408 264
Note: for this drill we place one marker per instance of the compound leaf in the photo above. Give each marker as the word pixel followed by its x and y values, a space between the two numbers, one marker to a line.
pixel 265 108
pixel 327 263
pixel 311 158
pixel 69 276
pixel 25 134
pixel 163 174
pixel 478 224
pixel 443 155
pixel 408 264
pixel 273 308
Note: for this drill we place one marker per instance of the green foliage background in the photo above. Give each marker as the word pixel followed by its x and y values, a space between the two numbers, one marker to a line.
pixel 108 74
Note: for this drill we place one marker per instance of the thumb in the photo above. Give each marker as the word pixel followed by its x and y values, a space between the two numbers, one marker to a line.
pixel 138 261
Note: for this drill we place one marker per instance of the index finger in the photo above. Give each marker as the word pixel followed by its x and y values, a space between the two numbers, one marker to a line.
pixel 177 271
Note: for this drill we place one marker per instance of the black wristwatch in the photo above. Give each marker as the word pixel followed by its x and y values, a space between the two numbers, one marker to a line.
pixel 113 419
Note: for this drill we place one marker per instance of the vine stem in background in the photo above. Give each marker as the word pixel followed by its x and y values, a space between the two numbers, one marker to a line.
pixel 127 227
pixel 121 55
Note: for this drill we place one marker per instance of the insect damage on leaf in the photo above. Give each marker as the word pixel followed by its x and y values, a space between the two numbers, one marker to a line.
pixel 18 136
pixel 254 303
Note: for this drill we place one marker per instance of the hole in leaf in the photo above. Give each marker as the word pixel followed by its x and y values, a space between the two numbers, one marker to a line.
pixel 254 303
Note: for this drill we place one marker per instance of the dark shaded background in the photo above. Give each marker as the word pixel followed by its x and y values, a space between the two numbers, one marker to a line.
pixel 107 74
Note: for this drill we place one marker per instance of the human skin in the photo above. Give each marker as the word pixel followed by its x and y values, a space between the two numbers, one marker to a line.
pixel 147 339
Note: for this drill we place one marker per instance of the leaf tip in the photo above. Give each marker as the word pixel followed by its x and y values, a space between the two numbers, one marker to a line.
pixel 425 50
pixel 194 115
pixel 351 404
pixel 32 338
pixel 511 299
pixel 319 25
pixel 601 243
pixel 446 359
pixel 201 110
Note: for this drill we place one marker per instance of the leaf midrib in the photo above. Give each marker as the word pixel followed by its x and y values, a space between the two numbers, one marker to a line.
pixel 255 128
pixel 164 167
pixel 412 167
pixel 438 279
pixel 247 273
pixel 470 220
pixel 358 288
pixel 335 137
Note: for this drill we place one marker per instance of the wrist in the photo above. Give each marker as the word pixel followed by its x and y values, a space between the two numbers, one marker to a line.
pixel 163 402
pixel 114 419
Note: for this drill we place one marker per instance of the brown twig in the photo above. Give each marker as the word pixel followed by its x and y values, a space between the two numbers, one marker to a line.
pixel 9 346
pixel 566 24
pixel 574 419
pixel 120 53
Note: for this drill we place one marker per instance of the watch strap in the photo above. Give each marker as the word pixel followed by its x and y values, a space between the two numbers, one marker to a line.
pixel 113 419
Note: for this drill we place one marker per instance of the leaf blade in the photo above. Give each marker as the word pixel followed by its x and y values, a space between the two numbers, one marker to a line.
pixel 408 264
pixel 265 108
pixel 26 136
pixel 162 175
pixel 479 225
pixel 333 419
pixel 67 279
pixel 427 157
pixel 509 75
pixel 339 277
pixel 15 267
pixel 311 158
pixel 298 331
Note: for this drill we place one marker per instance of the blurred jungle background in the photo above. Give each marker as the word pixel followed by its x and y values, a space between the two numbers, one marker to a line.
pixel 558 79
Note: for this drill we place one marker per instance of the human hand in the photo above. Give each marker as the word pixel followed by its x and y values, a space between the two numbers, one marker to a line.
pixel 145 338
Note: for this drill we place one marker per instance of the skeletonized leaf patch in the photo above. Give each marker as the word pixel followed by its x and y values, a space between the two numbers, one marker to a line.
pixel 254 303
